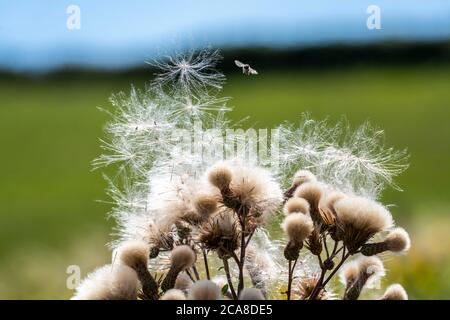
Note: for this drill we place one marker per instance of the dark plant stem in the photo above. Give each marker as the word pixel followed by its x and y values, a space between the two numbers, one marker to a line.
pixel 230 282
pixel 344 258
pixel 322 283
pixel 197 276
pixel 242 259
pixel 190 275
pixel 291 273
pixel 249 238
pixel 205 260
pixel 324 239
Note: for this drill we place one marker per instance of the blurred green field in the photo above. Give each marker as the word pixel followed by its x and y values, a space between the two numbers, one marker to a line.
pixel 49 130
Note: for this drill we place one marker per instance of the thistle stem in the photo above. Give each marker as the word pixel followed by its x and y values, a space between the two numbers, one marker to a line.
pixel 322 283
pixel 205 260
pixel 197 276
pixel 230 282
pixel 241 264
pixel 345 256
pixel 249 238
pixel 291 273
pixel 190 275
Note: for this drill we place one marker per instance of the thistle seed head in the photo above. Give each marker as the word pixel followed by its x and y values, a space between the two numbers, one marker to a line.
pixel 220 233
pixel 220 176
pixel 358 219
pixel 134 254
pixel 205 204
pixel 296 205
pixel 251 294
pixel 326 206
pixel 398 240
pixel 183 282
pixel 182 257
pixel 303 176
pixel 118 282
pixel 311 192
pixel 360 273
pixel 297 227
pixel 204 290
pixel 395 292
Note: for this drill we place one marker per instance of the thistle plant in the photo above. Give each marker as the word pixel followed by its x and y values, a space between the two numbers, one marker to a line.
pixel 193 224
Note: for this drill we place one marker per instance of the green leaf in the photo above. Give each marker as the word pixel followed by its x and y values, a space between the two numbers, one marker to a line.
pixel 225 289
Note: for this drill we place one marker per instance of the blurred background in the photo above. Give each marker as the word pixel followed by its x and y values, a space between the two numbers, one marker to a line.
pixel 61 60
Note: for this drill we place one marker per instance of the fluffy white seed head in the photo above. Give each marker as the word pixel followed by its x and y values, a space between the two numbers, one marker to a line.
pixel 182 257
pixel 183 282
pixel 363 213
pixel 119 282
pixel 256 188
pixel 251 294
pixel 296 205
pixel 124 283
pixel 173 294
pixel 349 273
pixel 205 204
pixel 395 292
pixel 298 227
pixel 358 219
pixel 302 176
pixel 311 192
pixel 398 240
pixel 220 176
pixel 204 290
pixel 329 199
pixel 326 206
pixel 134 254
pixel 370 265
pixel 370 269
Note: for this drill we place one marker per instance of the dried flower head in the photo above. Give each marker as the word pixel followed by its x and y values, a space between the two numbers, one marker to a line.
pixel 363 271
pixel 326 206
pixel 205 204
pixel 220 176
pixel 396 241
pixel 349 274
pixel 395 292
pixel 303 176
pixel 358 219
pixel 173 294
pixel 251 294
pixel 296 205
pixel 220 233
pixel 182 257
pixel 183 282
pixel 204 290
pixel 297 227
pixel 109 283
pixel 305 287
pixel 134 254
pixel 256 189
pixel 311 192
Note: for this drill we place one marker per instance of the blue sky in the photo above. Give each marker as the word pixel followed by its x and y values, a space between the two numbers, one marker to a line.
pixel 34 36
